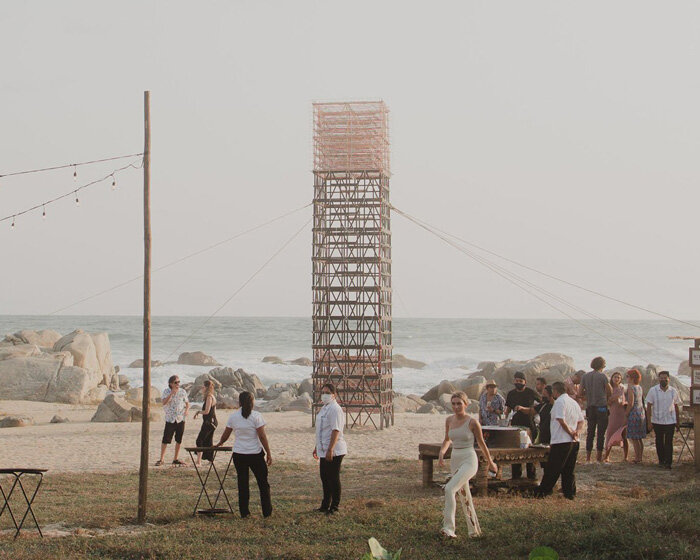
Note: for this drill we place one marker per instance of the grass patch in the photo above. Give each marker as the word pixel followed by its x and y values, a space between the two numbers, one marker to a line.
pixel 381 499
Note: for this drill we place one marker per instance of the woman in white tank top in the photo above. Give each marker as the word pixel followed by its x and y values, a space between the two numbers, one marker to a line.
pixel 461 431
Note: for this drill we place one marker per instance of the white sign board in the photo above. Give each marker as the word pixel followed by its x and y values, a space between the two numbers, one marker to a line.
pixel 695 357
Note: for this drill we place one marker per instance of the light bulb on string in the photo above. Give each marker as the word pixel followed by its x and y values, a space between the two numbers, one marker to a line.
pixel 114 182
pixel 75 173
pixel 13 222
pixel 43 212
pixel 77 201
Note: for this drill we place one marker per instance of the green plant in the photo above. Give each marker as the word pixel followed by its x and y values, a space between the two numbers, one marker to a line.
pixel 378 552
pixel 543 553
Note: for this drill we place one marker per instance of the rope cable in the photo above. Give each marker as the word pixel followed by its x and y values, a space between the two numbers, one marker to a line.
pixel 552 277
pixel 240 288
pixel 511 277
pixel 181 259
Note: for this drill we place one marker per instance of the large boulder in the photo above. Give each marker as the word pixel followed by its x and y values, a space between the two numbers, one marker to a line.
pixel 278 404
pixel 302 362
pixel 95 395
pixel 273 360
pixel 113 409
pixel 443 387
pixel 81 346
pixel 274 390
pixel 194 391
pixel 240 380
pixel 69 371
pixel 28 377
pixel 428 408
pixel 401 361
pixel 43 339
pixel 684 368
pixel 56 419
pixel 103 351
pixel 407 403
pixel 196 359
pixel 139 363
pixel 135 395
pixel 302 404
pixel 307 386
pixel 551 366
pixel 16 421
pixel 72 385
pixel 472 385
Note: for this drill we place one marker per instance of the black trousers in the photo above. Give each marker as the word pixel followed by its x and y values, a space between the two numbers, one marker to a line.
pixel 255 463
pixel 330 479
pixel 664 442
pixel 562 461
pixel 596 418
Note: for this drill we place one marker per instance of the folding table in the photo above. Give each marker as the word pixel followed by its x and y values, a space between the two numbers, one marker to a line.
pixel 204 472
pixel 17 474
pixel 688 427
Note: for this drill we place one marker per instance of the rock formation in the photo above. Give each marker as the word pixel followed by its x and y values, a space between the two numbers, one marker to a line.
pixel 196 359
pixel 77 368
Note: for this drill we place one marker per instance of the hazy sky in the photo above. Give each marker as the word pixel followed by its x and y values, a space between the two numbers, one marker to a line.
pixel 564 135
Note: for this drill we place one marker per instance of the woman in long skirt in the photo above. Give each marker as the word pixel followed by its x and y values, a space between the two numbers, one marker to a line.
pixel 461 431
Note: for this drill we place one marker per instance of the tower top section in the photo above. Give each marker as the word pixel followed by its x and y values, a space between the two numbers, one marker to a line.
pixel 351 136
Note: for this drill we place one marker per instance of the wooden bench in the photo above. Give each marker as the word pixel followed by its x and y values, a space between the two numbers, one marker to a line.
pixel 428 452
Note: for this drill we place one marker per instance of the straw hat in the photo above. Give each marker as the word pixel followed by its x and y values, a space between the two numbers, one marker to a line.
pixel 491 383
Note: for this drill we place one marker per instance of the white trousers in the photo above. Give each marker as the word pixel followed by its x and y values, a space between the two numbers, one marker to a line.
pixel 463 464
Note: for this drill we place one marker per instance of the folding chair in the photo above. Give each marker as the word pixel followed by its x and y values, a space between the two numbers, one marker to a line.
pixel 688 427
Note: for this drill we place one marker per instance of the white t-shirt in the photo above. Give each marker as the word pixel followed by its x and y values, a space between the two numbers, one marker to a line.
pixel 663 410
pixel 569 410
pixel 330 417
pixel 245 429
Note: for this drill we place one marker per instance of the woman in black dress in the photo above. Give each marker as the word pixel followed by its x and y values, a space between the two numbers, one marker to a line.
pixel 209 422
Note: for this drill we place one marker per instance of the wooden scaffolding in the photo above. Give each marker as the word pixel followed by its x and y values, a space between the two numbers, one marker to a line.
pixel 352 345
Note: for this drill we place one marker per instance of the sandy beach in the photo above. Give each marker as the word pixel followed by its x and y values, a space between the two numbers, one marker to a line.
pixel 84 446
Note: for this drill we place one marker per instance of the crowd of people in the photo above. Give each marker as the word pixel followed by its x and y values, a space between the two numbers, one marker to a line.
pixel 553 415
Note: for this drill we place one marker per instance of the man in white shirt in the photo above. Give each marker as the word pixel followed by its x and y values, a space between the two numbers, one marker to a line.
pixel 663 417
pixel 566 426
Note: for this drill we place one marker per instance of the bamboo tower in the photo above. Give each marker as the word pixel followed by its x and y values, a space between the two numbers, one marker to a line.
pixel 352 345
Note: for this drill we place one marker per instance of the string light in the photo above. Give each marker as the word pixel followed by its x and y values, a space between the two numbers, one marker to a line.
pixel 112 175
pixel 43 213
pixel 13 222
pixel 75 173
pixel 114 182
pixel 73 165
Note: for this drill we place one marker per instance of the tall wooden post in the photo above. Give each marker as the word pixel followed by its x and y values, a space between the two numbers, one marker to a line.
pixel 145 422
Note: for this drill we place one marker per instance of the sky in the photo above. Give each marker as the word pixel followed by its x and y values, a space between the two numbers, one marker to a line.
pixel 562 135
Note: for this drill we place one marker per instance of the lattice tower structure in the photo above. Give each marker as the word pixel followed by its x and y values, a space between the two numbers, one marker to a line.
pixel 352 334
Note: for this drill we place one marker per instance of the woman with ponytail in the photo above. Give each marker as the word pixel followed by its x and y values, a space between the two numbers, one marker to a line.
pixel 251 450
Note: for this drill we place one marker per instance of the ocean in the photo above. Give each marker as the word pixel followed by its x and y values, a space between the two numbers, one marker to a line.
pixel 446 345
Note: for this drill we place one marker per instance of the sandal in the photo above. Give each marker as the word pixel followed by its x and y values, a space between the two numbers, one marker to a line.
pixel 178 463
pixel 159 463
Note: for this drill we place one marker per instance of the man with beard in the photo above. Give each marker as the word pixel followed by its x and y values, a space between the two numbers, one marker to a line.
pixel 521 401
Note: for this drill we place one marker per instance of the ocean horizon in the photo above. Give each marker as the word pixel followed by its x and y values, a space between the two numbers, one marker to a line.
pixel 449 346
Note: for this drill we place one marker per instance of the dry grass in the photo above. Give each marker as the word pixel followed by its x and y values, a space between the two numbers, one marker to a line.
pixel 621 512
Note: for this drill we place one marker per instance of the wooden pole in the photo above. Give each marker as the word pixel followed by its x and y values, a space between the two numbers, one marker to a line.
pixel 145 422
